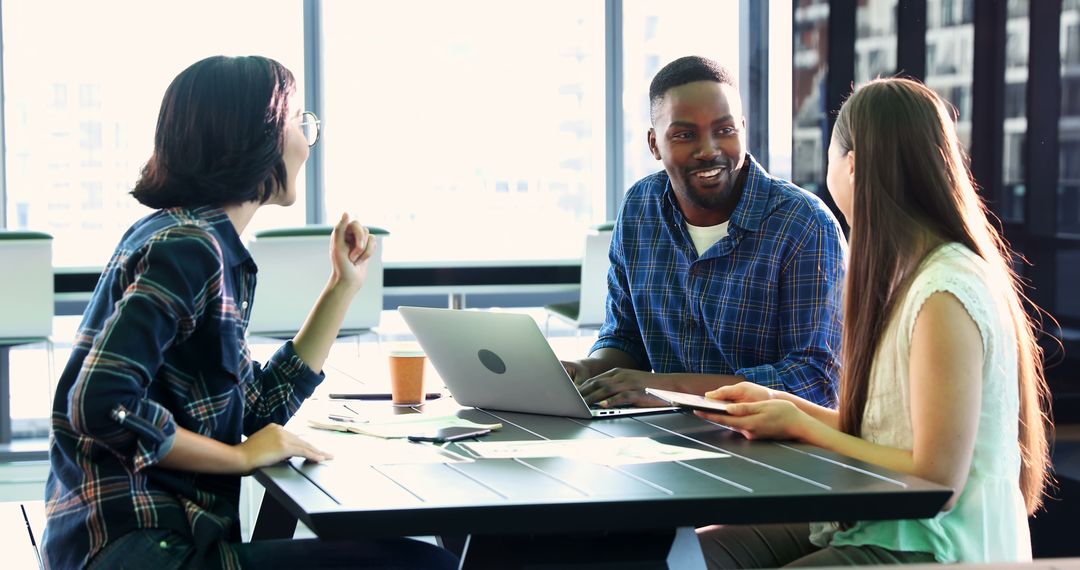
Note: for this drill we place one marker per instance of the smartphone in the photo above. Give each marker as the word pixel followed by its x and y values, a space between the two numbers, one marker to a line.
pixel 447 434
pixel 692 401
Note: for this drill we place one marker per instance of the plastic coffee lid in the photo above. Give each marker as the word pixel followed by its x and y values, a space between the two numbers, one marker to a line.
pixel 406 352
pixel 405 349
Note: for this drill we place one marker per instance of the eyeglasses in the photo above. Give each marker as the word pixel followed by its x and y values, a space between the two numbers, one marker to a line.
pixel 310 123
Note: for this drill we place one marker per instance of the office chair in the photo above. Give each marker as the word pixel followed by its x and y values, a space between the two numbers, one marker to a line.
pixel 588 311
pixel 26 303
pixel 294 264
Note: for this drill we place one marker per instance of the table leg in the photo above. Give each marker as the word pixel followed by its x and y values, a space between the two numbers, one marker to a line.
pixel 274 521
pixel 673 549
pixel 455 543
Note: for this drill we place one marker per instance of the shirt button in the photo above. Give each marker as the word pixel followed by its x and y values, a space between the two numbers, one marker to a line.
pixel 244 305
pixel 121 415
pixel 163 544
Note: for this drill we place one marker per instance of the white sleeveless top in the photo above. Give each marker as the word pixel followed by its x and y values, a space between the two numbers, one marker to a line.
pixel 989 521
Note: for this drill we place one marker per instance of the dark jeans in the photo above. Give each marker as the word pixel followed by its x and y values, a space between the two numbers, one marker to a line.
pixel 776 545
pixel 159 549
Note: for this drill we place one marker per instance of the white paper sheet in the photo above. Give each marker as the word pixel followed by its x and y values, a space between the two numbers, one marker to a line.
pixel 610 451
pixel 366 450
pixel 402 426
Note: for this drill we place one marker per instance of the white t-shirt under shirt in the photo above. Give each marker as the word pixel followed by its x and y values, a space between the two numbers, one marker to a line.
pixel 705 236
pixel 989 521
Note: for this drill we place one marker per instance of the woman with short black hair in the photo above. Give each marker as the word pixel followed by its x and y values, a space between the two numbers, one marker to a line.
pixel 149 414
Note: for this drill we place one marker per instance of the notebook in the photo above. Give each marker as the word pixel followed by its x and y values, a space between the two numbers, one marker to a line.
pixel 501 361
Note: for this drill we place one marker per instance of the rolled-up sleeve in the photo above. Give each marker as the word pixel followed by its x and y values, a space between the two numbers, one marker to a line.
pixel 278 388
pixel 620 329
pixel 169 283
pixel 809 318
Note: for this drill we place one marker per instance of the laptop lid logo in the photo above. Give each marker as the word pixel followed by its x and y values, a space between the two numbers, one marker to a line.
pixel 491 361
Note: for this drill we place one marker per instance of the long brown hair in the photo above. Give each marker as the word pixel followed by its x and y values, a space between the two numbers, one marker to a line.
pixel 913 192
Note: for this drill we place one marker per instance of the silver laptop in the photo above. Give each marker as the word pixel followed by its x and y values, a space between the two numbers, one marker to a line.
pixel 501 361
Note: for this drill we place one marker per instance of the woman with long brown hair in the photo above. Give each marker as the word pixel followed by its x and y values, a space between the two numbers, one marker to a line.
pixel 941 376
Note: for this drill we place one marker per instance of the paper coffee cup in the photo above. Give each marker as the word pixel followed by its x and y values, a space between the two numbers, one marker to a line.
pixel 407 376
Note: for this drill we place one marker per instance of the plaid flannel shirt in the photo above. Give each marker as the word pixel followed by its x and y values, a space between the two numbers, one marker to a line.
pixel 162 344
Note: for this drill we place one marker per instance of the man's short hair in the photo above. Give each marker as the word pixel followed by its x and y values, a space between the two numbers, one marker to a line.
pixel 682 71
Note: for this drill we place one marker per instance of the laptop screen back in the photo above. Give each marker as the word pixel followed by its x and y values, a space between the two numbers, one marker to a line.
pixel 495 360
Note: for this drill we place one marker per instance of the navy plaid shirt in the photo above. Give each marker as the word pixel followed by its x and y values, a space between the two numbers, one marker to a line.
pixel 162 344
pixel 762 303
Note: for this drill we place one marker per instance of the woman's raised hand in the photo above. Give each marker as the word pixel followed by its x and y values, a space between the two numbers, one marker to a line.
pixel 351 246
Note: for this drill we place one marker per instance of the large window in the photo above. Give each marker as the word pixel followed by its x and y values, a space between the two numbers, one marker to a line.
pixel 780 92
pixel 81 96
pixel 82 87
pixel 1067 302
pixel 950 40
pixel 476 131
pixel 478 140
pixel 1015 128
pixel 1069 128
pixel 875 39
pixel 654 34
pixel 809 69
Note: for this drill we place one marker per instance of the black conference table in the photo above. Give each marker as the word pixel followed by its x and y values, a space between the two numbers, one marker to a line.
pixel 556 512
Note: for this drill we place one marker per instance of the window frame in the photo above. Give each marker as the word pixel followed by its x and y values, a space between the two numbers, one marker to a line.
pixel 755 79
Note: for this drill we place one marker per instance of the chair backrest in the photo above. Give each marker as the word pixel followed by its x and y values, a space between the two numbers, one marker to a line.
pixel 594 270
pixel 294 264
pixel 26 290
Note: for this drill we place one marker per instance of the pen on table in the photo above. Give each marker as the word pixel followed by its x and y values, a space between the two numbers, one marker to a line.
pixel 369 396
pixel 31 531
pixel 340 418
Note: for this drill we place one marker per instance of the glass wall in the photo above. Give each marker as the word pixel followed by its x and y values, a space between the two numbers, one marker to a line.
pixel 474 131
pixel 875 39
pixel 780 92
pixel 653 35
pixel 1069 126
pixel 1013 162
pixel 477 141
pixel 950 38
pixel 810 25
pixel 81 98
pixel 1068 303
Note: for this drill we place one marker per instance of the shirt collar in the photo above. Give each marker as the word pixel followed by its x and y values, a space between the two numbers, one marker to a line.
pixel 755 197
pixel 231 246
pixel 752 204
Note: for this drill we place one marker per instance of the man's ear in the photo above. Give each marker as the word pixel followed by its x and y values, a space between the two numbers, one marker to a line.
pixel 652 143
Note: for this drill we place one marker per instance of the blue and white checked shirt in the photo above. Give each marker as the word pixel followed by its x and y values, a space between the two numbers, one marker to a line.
pixel 762 303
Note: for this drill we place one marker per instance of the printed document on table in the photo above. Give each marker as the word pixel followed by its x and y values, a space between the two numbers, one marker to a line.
pixel 378 451
pixel 401 426
pixel 610 451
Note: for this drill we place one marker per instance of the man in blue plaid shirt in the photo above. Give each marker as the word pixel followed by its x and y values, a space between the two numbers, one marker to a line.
pixel 720 272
